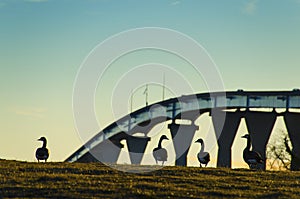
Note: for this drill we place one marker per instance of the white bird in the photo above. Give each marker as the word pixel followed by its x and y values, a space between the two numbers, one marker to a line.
pixel 159 153
pixel 42 153
pixel 252 158
pixel 203 157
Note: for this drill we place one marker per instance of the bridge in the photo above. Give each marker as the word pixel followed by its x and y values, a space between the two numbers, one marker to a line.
pixel 226 109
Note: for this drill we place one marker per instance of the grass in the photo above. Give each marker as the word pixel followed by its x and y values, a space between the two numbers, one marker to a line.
pixel 95 180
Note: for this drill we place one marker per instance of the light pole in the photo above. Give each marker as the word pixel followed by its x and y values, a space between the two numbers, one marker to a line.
pixel 163 91
pixel 131 98
pixel 146 93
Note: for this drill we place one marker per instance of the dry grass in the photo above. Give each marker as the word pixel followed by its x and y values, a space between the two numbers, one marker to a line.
pixel 92 180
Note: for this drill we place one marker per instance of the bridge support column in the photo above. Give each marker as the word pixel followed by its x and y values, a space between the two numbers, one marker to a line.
pixel 136 147
pixel 260 126
pixel 225 131
pixel 106 152
pixel 182 136
pixel 292 122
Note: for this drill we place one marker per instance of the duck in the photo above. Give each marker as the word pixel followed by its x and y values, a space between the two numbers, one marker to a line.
pixel 202 156
pixel 159 153
pixel 42 153
pixel 252 158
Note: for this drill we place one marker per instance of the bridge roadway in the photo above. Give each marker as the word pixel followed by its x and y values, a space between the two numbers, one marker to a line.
pixel 105 146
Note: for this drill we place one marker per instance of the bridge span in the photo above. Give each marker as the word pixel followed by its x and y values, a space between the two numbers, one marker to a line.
pixel 226 109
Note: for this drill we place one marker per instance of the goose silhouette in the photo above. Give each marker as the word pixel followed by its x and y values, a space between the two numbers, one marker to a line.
pixel 252 158
pixel 159 153
pixel 42 153
pixel 202 156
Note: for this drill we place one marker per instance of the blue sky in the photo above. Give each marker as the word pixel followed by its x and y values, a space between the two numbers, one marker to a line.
pixel 255 44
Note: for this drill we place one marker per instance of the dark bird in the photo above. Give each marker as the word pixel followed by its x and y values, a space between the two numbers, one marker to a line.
pixel 42 153
pixel 159 153
pixel 252 158
pixel 203 157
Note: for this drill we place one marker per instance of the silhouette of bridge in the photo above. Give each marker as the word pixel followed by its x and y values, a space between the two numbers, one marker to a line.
pixel 226 109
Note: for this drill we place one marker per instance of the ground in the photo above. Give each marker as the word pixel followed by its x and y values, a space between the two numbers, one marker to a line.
pixel 95 180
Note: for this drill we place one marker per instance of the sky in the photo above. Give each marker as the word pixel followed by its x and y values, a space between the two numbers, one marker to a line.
pixel 254 43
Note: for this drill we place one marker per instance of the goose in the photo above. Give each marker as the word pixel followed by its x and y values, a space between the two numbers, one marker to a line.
pixel 42 153
pixel 159 153
pixel 203 157
pixel 252 158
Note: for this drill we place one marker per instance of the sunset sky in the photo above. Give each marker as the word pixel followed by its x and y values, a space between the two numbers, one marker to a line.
pixel 254 43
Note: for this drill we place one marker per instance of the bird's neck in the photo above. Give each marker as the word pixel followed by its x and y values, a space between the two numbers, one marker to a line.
pixel 202 148
pixel 248 144
pixel 44 144
pixel 159 143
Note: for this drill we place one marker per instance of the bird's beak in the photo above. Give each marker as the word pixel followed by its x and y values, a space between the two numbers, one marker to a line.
pixel 39 139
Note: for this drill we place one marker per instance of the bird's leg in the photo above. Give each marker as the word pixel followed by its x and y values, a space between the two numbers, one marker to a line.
pixel 200 165
pixel 162 163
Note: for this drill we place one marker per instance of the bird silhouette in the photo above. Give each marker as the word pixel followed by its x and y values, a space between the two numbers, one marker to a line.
pixel 202 156
pixel 159 153
pixel 252 158
pixel 42 153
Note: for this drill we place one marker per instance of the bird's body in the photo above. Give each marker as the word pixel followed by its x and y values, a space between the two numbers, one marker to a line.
pixel 252 158
pixel 42 153
pixel 202 156
pixel 159 153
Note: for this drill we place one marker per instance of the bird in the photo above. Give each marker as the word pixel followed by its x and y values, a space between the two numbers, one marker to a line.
pixel 42 153
pixel 252 158
pixel 203 157
pixel 159 153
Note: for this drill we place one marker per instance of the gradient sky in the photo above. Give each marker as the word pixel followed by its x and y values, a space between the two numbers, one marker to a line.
pixel 254 43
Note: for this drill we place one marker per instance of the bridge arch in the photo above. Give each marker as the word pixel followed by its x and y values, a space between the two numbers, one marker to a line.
pixel 191 107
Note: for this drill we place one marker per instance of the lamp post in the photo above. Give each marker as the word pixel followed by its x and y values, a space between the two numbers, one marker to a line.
pixel 146 93
pixel 131 97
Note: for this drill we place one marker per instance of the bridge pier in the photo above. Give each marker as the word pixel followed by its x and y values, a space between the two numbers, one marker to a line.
pixel 225 132
pixel 260 125
pixel 136 147
pixel 106 152
pixel 292 121
pixel 182 136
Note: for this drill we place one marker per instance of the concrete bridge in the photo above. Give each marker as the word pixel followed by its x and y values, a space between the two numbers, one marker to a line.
pixel 226 110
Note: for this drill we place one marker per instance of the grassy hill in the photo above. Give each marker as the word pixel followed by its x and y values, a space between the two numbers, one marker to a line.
pixel 87 180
